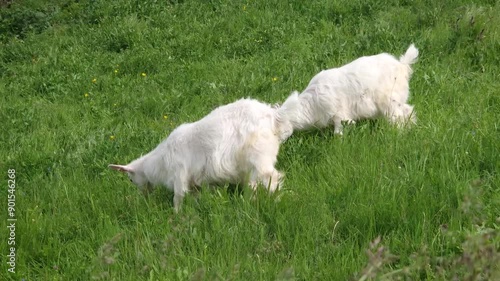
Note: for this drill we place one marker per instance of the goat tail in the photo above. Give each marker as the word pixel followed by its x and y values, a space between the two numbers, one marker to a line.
pixel 285 114
pixel 410 57
pixel 289 108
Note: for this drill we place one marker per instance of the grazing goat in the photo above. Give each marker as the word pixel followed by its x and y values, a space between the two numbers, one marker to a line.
pixel 369 87
pixel 235 143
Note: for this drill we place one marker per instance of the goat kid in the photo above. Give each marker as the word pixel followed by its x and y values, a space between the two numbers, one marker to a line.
pixel 235 143
pixel 367 88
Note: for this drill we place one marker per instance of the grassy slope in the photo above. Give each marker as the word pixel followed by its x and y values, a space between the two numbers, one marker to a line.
pixel 73 99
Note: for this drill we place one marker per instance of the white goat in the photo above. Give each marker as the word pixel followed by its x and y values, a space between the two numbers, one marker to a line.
pixel 235 143
pixel 369 87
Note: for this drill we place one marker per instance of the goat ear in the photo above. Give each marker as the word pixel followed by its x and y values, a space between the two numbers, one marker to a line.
pixel 120 168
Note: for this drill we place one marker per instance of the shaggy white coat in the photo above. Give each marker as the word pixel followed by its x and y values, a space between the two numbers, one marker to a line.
pixel 235 143
pixel 369 87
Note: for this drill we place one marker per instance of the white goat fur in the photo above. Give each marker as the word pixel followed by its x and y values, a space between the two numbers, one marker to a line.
pixel 235 143
pixel 369 87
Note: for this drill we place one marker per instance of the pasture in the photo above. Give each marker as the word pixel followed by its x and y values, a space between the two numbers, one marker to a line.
pixel 87 83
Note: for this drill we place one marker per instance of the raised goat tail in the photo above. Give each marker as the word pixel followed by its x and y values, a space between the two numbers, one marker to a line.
pixel 286 114
pixel 288 110
pixel 410 57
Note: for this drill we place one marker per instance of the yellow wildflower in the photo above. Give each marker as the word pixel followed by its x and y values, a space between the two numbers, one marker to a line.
pixel 275 79
pixel 116 71
pixel 94 80
pixel 143 74
pixel 165 117
pixel 86 95
pixel 112 137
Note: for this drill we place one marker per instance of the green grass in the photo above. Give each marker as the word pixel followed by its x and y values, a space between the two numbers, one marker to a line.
pixel 73 98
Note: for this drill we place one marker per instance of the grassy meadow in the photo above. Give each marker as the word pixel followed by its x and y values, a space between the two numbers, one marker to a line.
pixel 92 82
